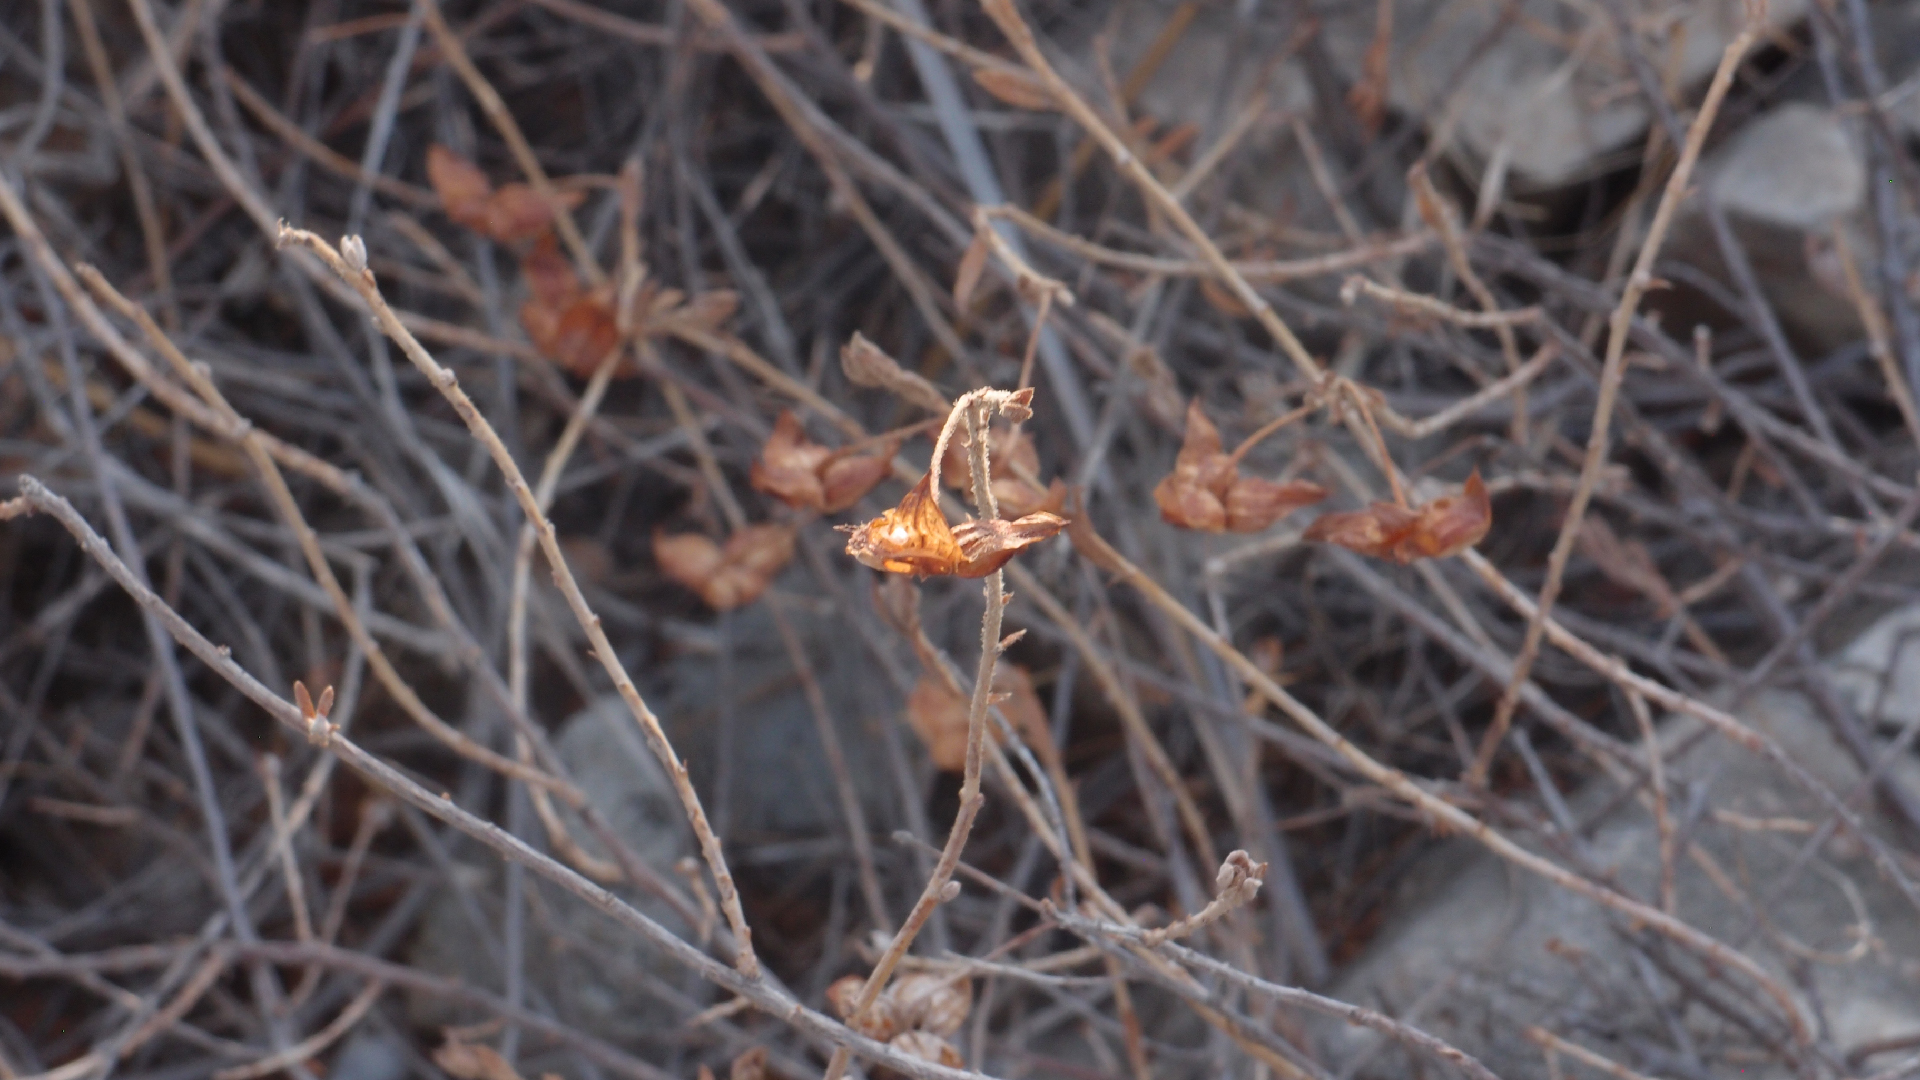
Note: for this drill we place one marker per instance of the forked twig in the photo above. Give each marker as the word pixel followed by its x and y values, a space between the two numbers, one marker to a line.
pixel 350 264
pixel 974 409
pixel 1611 374
pixel 36 497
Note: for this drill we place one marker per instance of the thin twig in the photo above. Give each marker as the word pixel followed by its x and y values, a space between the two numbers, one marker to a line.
pixel 1611 374
pixel 356 275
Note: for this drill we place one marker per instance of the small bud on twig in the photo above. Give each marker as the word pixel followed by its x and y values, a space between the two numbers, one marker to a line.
pixel 353 252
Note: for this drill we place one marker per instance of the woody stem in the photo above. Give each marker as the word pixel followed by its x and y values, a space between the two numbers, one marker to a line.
pixel 974 409
pixel 1265 430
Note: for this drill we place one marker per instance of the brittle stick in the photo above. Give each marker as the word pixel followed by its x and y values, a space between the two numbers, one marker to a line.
pixel 1442 814
pixel 354 272
pixel 1007 17
pixel 254 443
pixel 483 92
pixel 974 409
pixel 1611 374
pixel 36 497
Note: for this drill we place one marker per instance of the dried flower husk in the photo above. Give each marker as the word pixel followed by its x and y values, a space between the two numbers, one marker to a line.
pixel 1446 526
pixel 463 189
pixel 731 576
pixel 866 364
pixel 808 476
pixel 572 327
pixel 927 1047
pixel 512 213
pixel 878 1023
pixel 1206 492
pixel 914 538
pixel 932 1002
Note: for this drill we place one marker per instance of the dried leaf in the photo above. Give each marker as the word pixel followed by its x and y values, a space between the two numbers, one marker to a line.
pixel 1446 526
pixel 516 212
pixel 472 1061
pixel 789 465
pixel 1206 492
pixel 711 309
pixel 575 329
pixel 866 364
pixel 808 476
pixel 731 576
pixel 927 1047
pixel 931 1002
pixel 914 538
pixel 939 717
pixel 847 477
pixel 751 1065
pixel 879 1021
pixel 548 274
pixel 688 558
pixel 1254 503
pixel 1018 499
pixel 986 546
pixel 578 336
pixel 1015 88
pixel 1453 523
pixel 1381 530
pixel 511 214
pixel 463 189
pixel 1006 459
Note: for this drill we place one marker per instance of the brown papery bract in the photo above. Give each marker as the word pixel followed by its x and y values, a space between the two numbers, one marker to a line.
pixel 513 213
pixel 877 1022
pixel 805 475
pixel 914 538
pixel 927 1046
pixel 731 576
pixel 1446 526
pixel 463 189
pixel 1206 492
pixel 573 327
pixel 750 1065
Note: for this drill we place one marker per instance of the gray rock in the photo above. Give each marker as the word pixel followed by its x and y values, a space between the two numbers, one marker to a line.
pixel 780 784
pixel 1785 182
pixel 1479 951
pixel 1880 670
pixel 580 964
pixel 370 1055
pixel 1797 167
pixel 1557 104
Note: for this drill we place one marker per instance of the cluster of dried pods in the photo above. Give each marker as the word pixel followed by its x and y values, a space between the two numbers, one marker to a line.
pixel 1206 492
pixel 570 323
pixel 914 1014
